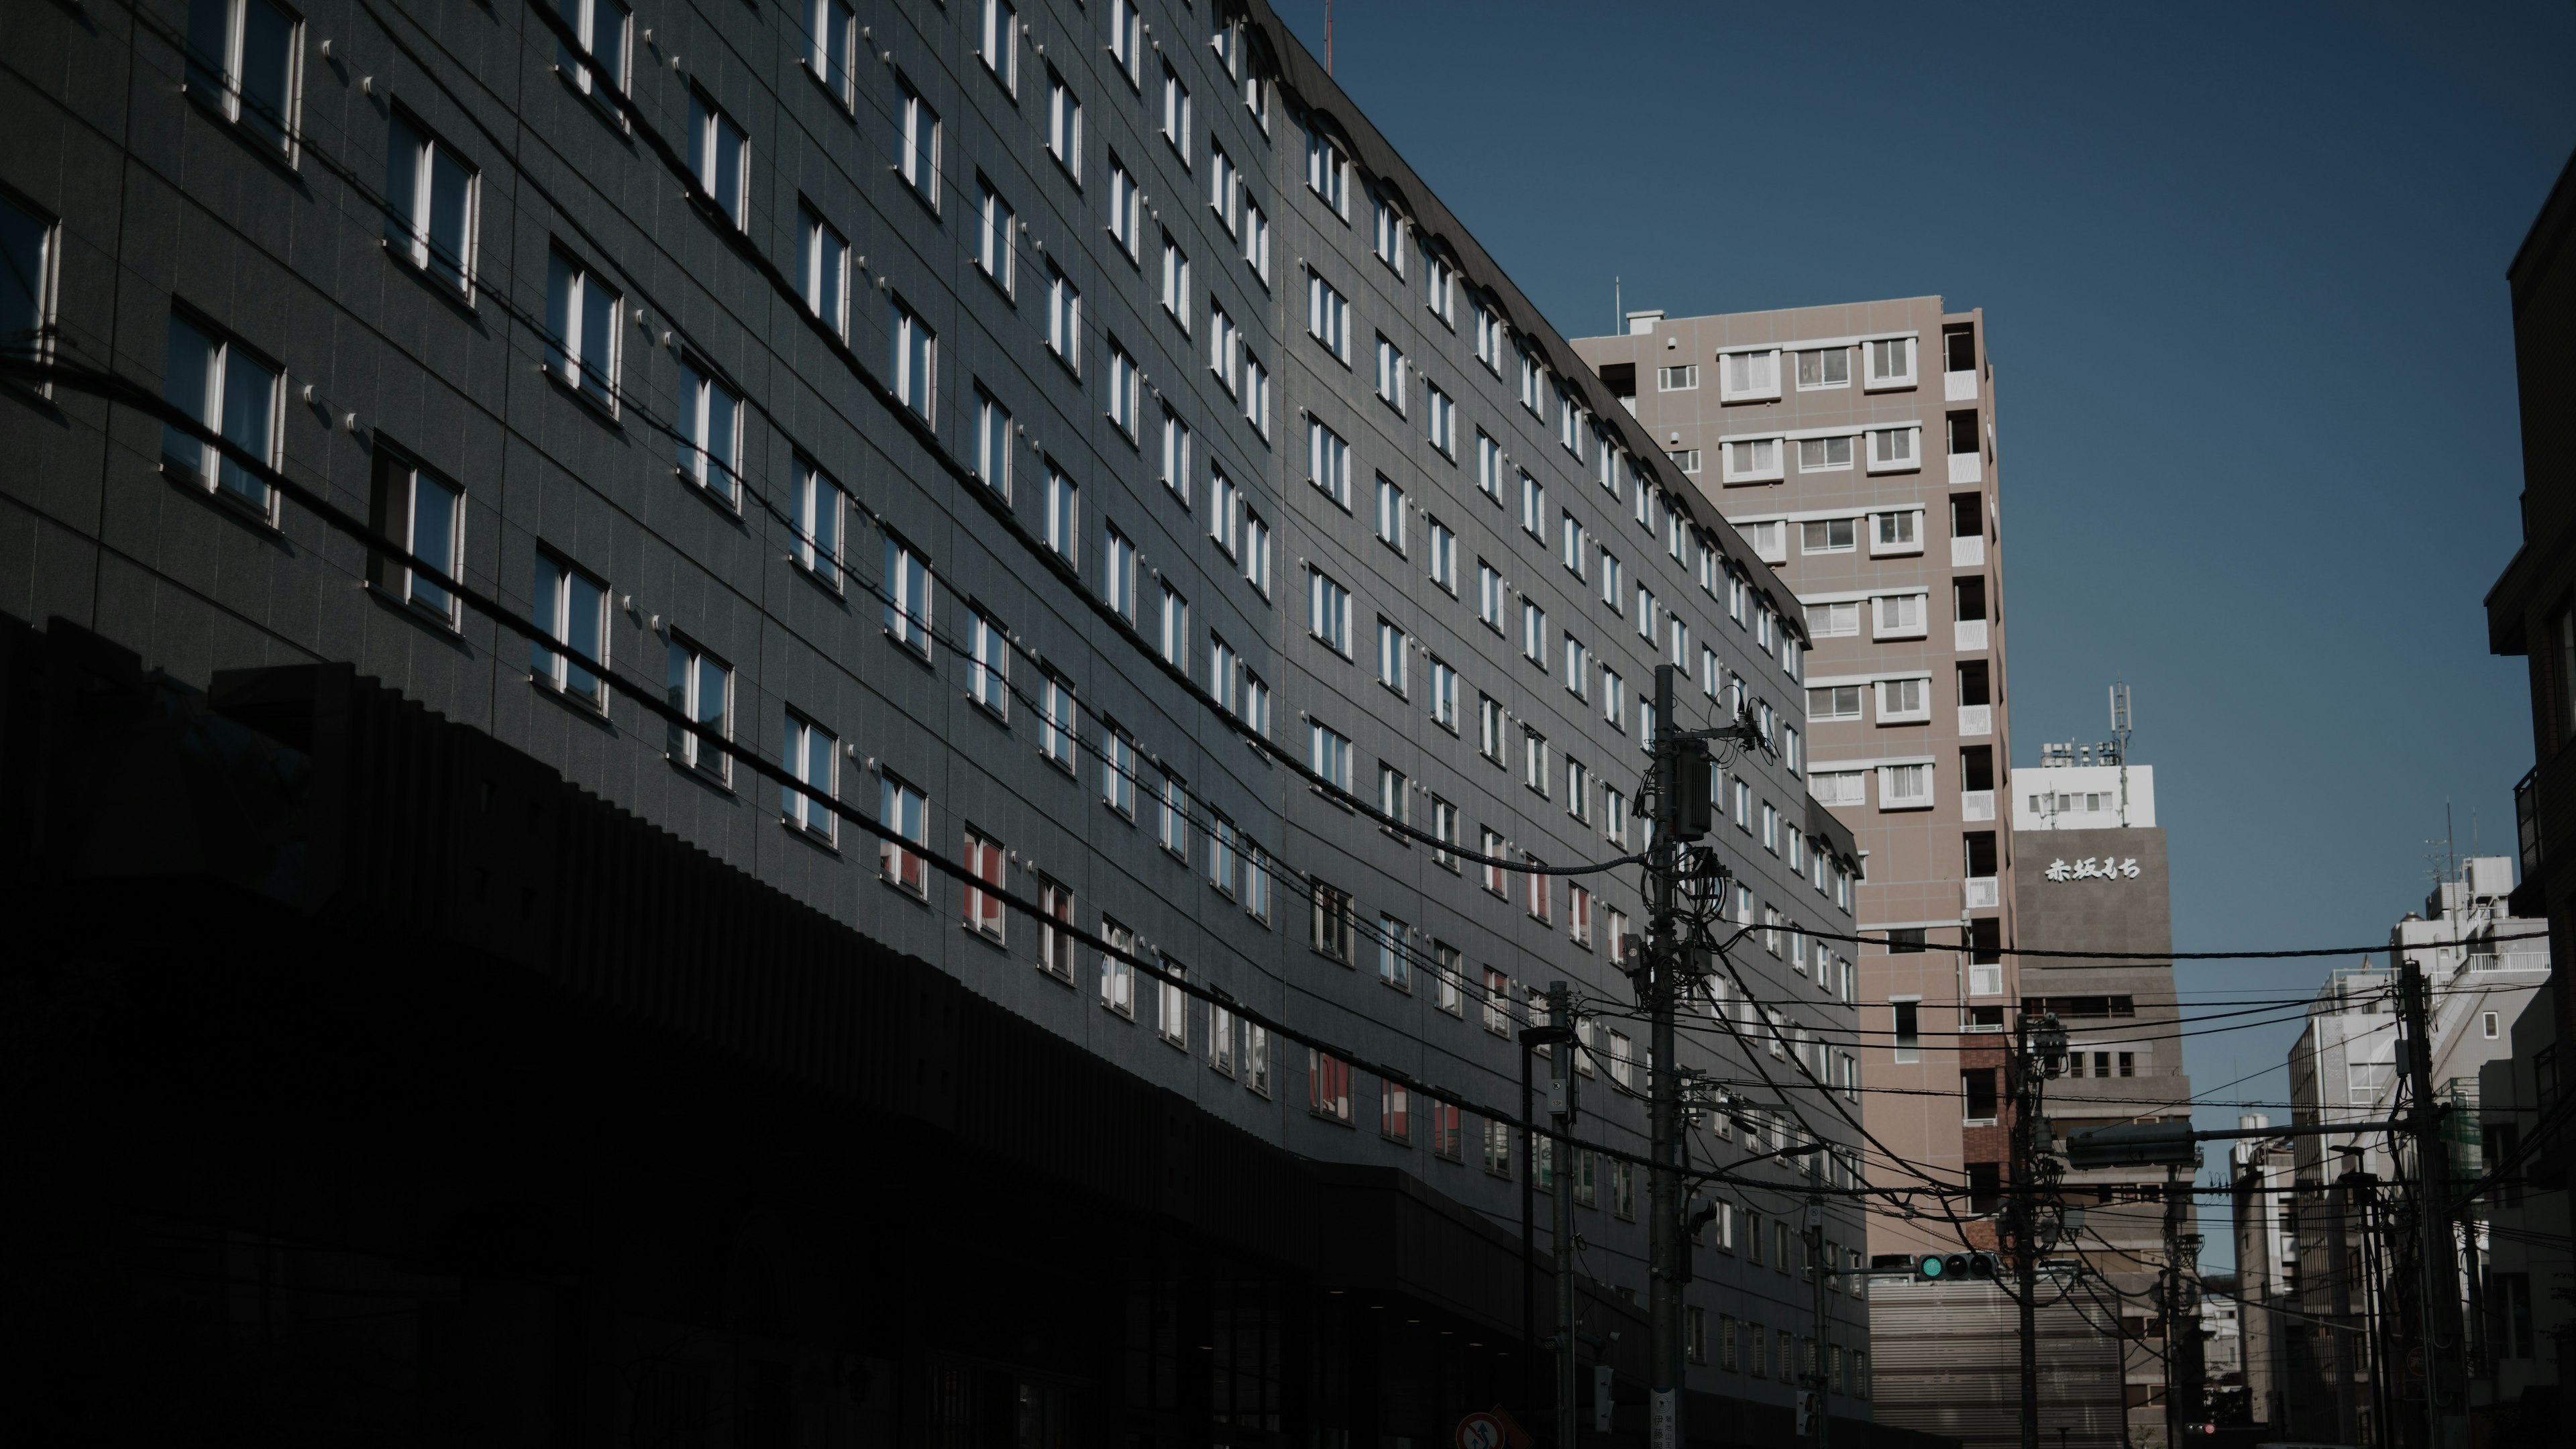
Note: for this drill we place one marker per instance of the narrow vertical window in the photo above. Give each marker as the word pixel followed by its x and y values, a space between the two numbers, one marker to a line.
pixel 604 30
pixel 571 608
pixel 920 161
pixel 827 51
pixel 998 44
pixel 823 268
pixel 914 361
pixel 992 443
pixel 429 204
pixel 230 393
pixel 819 516
pixel 908 597
pixel 905 811
pixel 1064 318
pixel 720 154
pixel 988 671
pixel 581 329
pixel 1063 514
pixel 701 690
pixel 812 757
pixel 244 65
pixel 710 442
pixel 984 870
pixel 994 248
pixel 29 246
pixel 1064 125
pixel 426 515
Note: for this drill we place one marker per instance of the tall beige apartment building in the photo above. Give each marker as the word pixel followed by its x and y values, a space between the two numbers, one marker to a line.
pixel 1854 447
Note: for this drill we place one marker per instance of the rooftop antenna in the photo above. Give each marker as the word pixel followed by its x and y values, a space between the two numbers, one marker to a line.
pixel 1618 310
pixel 2120 730
pixel 1328 37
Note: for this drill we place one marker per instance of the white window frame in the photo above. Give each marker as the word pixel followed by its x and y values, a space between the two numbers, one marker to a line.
pixel 1822 384
pixel 1741 460
pixel 1874 349
pixel 1879 444
pixel 1891 713
pixel 1883 521
pixel 1753 388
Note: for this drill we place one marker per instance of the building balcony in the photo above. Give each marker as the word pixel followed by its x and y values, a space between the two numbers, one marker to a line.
pixel 1969 552
pixel 1976 719
pixel 1983 891
pixel 1967 467
pixel 1968 636
pixel 1976 804
pixel 1959 386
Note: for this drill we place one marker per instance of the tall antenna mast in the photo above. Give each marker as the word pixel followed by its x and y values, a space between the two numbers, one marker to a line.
pixel 1328 37
pixel 1618 310
pixel 2120 730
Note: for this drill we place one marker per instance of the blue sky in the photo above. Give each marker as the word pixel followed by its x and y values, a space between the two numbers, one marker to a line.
pixel 2243 272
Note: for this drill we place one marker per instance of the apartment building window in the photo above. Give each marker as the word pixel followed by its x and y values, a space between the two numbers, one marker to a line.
pixel 1221 670
pixel 1390 514
pixel 1256 704
pixel 1394 957
pixel 1118 769
pixel 1126 208
pixel 1329 928
pixel 1898 532
pixel 997 44
pixel 1176 113
pixel 1256 240
pixel 228 391
pixel 710 442
pixel 1256 552
pixel 1684 378
pixel 1895 449
pixel 1532 382
pixel 1117 972
pixel 1123 388
pixel 1535 890
pixel 1225 189
pixel 822 268
pixel 1176 455
pixel 1064 318
pixel 30 246
pixel 1055 931
pixel 1569 423
pixel 1489 466
pixel 1489 728
pixel 1329 612
pixel 995 249
pixel 906 811
pixel 1063 514
pixel 1614 818
pixel 1329 755
pixel 819 508
pixel 429 204
pixel 1747 376
pixel 1172 817
pixel 1444 556
pixel 1491 845
pixel 1256 1059
pixel 1571 538
pixel 1824 455
pixel 1829 535
pixel 1328 462
pixel 1891 362
pixel 1534 760
pixel 1577 672
pixel 914 362
pixel 1441 416
pixel 1533 632
pixel 720 156
pixel 1392 656
pixel 701 689
pixel 921 141
pixel 1328 1086
pixel 1899 616
pixel 426 515
pixel 1824 367
pixel 1256 881
pixel 1444 695
pixel 244 65
pixel 1904 787
pixel 983 908
pixel 581 329
pixel 908 597
pixel 1391 388
pixel 1489 596
pixel 1057 723
pixel 1444 828
pixel 812 757
pixel 1327 173
pixel 1224 342
pixel 1901 700
pixel 1172 1005
pixel 988 667
pixel 1752 460
pixel 1328 316
pixel 572 609
pixel 1064 125
pixel 1176 283
pixel 1831 702
pixel 1439 288
pixel 1386 233
pixel 1118 572
pixel 1222 853
pixel 1174 619
pixel 1256 393
pixel 832 28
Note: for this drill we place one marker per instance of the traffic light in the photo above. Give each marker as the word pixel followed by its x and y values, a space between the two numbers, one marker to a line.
pixel 1942 1267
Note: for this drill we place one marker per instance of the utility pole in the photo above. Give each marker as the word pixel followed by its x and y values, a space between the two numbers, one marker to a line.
pixel 1561 1108
pixel 1659 975
pixel 2173 1308
pixel 2439 1321
pixel 2339 1302
pixel 2039 1050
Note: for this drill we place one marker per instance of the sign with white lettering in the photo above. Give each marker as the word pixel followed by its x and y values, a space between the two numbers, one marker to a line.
pixel 2095 868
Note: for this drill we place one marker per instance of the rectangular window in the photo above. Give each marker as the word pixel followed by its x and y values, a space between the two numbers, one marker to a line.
pixel 1824 455
pixel 1256 883
pixel 1439 289
pixel 1063 514
pixel 998 44
pixel 1329 924
pixel 1328 462
pixel 1902 699
pixel 30 245
pixel 1394 953
pixel 1225 189
pixel 1172 1005
pixel 1444 828
pixel 1387 231
pixel 1899 616
pixel 1745 376
pixel 988 669
pixel 1256 240
pixel 1174 618
pixel 710 442
pixel 920 164
pixel 1392 657
pixel 1058 723
pixel 1124 390
pixel 1533 633
pixel 1256 552
pixel 1444 695
pixel 1127 39
pixel 1055 931
pixel 914 360
pixel 1176 113
pixel 244 64
pixel 1176 283
pixel 1686 459
pixel 1891 362
pixel 1390 374
pixel 1064 125
pixel 905 811
pixel 908 597
pixel 1894 449
pixel 1126 208
pixel 217 382
pixel 1752 460
pixel 1224 343
pixel 1390 514
pixel 426 515
pixel 429 205
pixel 992 443
pixel 1327 173
pixel 1489 725
pixel 1824 367
pixel 581 329
pixel 1225 513
pixel 719 156
pixel 1677 379
pixel 1118 572
pixel 995 248
pixel 1172 816
pixel 1118 770
pixel 1534 508
pixel 1840 701
pixel 1489 466
pixel 812 756
pixel 1328 1086
pixel 1329 755
pixel 985 871
pixel 1441 416
pixel 1489 596
pixel 1176 456
pixel 572 609
pixel 822 269
pixel 1535 890
pixel 1444 556
pixel 1329 612
pixel 1064 318
pixel 1898 533
pixel 604 29
pixel 701 690
pixel 1117 972
pixel 1256 394
pixel 832 28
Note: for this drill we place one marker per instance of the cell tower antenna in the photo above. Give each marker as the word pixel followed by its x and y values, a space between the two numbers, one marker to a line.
pixel 2120 730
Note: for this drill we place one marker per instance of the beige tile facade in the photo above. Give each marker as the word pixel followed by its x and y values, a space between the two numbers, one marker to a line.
pixel 1854 446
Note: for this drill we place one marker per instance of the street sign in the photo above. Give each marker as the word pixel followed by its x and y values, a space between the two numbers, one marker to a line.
pixel 1480 1430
